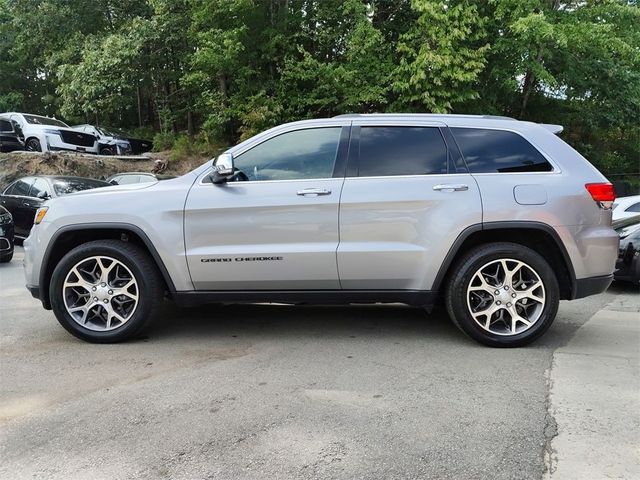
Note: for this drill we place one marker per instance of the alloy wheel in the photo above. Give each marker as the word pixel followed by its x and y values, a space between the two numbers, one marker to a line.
pixel 506 297
pixel 100 293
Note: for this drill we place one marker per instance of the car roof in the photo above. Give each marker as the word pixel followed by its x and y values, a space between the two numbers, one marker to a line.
pixel 134 173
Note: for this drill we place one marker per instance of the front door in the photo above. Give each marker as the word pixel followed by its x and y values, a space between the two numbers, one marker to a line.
pixel 406 198
pixel 276 226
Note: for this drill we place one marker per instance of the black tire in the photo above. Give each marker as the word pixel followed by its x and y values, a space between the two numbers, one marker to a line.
pixel 150 289
pixel 6 257
pixel 33 145
pixel 462 274
pixel 107 151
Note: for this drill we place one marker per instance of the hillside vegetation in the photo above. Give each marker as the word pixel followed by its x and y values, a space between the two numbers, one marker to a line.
pixel 198 74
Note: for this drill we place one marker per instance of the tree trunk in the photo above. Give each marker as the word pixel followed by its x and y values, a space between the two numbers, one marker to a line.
pixel 190 128
pixel 139 106
pixel 529 84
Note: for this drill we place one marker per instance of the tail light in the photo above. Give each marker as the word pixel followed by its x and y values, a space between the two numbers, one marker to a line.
pixel 602 193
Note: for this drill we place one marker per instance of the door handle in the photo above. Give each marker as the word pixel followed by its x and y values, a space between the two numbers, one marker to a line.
pixel 313 192
pixel 451 187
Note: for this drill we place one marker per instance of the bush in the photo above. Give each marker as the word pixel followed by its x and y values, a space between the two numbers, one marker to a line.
pixel 163 141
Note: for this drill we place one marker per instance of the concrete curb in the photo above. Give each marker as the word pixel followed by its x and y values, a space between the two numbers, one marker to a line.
pixel 595 401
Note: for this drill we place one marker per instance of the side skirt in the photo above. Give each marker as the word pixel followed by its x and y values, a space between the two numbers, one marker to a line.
pixel 415 298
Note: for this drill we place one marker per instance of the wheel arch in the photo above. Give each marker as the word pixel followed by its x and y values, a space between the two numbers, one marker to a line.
pixel 538 236
pixel 69 237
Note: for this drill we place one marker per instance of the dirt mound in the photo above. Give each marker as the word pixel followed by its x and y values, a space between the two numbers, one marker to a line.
pixel 19 164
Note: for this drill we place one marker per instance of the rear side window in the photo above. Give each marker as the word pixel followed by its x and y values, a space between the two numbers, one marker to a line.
pixel 634 208
pixel 388 151
pixel 5 126
pixel 21 187
pixel 490 151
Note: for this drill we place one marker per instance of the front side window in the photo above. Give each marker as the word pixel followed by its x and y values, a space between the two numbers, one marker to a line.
pixel 301 154
pixel 491 151
pixel 386 151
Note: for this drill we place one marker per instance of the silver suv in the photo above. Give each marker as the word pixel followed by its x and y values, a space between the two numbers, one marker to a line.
pixel 499 219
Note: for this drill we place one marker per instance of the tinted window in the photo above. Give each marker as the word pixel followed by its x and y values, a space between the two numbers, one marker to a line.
pixel 401 151
pixel 38 187
pixel 5 126
pixel 489 151
pixel 634 208
pixel 309 153
pixel 70 185
pixel 21 187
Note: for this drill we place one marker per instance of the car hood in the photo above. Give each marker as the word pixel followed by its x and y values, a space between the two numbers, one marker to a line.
pixel 112 188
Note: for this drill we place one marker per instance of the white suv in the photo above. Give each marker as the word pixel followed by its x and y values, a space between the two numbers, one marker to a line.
pixel 43 134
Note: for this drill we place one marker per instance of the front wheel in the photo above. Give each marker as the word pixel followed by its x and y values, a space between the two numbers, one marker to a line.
pixel 33 145
pixel 502 295
pixel 105 291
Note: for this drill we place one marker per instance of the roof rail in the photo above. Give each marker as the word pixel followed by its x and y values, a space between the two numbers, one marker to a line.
pixel 356 115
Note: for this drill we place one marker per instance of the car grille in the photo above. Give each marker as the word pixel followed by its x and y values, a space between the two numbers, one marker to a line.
pixel 77 138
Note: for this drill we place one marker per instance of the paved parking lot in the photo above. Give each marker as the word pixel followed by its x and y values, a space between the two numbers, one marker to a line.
pixel 268 391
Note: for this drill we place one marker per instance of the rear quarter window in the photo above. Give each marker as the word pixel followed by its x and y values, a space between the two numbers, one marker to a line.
pixel 498 151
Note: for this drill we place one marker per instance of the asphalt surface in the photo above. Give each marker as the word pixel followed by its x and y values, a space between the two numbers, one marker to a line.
pixel 269 391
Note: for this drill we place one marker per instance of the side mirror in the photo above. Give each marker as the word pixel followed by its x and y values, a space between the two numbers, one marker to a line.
pixel 222 175
pixel 223 162
pixel 222 169
pixel 43 195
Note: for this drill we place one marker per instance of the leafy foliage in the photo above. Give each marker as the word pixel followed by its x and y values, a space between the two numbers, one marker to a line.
pixel 222 70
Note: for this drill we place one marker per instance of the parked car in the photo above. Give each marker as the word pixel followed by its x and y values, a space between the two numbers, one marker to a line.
pixel 108 143
pixel 625 207
pixel 42 134
pixel 25 196
pixel 136 146
pixel 499 218
pixel 628 264
pixel 10 140
pixel 127 178
pixel 6 236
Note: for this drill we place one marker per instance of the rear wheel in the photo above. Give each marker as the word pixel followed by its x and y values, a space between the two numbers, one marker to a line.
pixel 105 291
pixel 502 295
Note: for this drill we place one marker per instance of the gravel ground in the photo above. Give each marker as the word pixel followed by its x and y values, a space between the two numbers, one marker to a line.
pixel 270 391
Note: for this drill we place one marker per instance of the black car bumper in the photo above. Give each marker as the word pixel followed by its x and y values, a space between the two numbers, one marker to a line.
pixel 592 285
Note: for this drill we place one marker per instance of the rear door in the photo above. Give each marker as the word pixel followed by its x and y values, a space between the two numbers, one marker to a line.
pixel 406 198
pixel 278 227
pixel 14 199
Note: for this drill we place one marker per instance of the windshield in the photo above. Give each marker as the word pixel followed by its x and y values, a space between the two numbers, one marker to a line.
pixel 71 185
pixel 38 120
pixel 115 132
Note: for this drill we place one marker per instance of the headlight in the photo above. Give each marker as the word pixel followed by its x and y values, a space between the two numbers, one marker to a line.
pixel 5 217
pixel 52 131
pixel 42 211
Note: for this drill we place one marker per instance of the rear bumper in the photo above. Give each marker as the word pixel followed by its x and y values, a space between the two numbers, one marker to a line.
pixel 592 285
